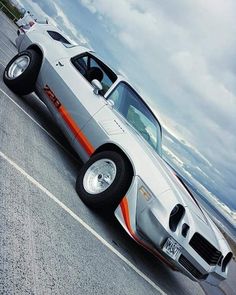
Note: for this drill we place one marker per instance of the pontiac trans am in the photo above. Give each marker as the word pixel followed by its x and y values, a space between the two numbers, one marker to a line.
pixel 118 137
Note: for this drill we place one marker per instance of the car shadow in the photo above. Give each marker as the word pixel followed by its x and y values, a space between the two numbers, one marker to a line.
pixel 146 262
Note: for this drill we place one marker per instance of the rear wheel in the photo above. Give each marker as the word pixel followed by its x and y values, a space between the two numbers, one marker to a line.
pixel 104 180
pixel 22 71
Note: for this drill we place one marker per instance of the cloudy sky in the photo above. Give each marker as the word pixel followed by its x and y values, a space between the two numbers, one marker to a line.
pixel 180 56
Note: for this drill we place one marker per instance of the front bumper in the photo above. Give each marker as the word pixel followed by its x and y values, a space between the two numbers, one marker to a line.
pixel 146 219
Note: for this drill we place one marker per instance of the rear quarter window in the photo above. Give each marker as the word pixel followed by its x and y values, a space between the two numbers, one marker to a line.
pixel 58 37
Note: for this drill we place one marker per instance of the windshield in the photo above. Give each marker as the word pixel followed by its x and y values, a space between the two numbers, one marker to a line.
pixel 128 103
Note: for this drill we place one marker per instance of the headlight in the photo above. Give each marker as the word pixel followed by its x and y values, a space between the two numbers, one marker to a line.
pixel 226 260
pixel 175 216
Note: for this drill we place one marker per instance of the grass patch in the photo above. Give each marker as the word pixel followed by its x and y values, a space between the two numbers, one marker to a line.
pixel 10 10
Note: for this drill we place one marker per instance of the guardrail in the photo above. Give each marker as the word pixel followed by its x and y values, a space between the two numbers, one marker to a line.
pixel 8 12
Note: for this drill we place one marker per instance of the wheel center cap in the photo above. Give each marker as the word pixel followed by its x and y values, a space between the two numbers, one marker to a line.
pixel 100 177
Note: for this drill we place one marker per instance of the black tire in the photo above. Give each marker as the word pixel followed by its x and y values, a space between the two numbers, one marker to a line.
pixel 25 82
pixel 109 199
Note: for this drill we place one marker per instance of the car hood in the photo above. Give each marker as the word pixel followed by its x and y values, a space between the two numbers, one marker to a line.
pixel 163 181
pixel 182 194
pixel 179 192
pixel 176 192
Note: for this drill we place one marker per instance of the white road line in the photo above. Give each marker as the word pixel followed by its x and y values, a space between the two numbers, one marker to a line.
pixel 83 223
pixel 40 126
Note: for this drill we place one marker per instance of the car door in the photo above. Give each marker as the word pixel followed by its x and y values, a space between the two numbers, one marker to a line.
pixel 69 95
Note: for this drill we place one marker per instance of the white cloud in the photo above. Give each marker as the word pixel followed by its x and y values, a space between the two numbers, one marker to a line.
pixel 70 28
pixel 89 5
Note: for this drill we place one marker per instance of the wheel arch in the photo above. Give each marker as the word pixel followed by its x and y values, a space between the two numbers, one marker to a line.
pixel 37 49
pixel 24 83
pixel 116 148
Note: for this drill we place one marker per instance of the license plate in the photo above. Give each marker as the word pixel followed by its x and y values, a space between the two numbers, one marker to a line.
pixel 171 248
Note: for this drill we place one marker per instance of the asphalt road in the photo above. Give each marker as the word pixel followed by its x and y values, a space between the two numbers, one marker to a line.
pixel 50 242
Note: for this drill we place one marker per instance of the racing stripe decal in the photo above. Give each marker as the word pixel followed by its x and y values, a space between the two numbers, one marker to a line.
pixel 76 131
pixel 124 205
pixel 69 121
pixel 125 211
pixel 85 143
pixel 79 135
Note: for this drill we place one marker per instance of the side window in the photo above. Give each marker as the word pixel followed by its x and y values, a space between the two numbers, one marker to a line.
pixel 92 68
pixel 105 81
pixel 58 37
pixel 81 64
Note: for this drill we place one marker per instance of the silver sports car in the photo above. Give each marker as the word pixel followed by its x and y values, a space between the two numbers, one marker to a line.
pixel 118 137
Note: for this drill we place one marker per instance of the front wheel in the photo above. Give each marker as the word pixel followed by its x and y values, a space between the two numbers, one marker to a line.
pixel 104 180
pixel 22 71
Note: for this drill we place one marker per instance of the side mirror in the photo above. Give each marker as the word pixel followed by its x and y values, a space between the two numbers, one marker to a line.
pixel 97 86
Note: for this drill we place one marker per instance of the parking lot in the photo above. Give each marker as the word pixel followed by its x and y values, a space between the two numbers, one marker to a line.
pixel 50 242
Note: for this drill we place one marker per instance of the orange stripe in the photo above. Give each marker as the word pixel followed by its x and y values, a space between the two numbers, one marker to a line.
pixel 125 212
pixel 70 122
pixel 76 131
pixel 85 143
pixel 79 135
